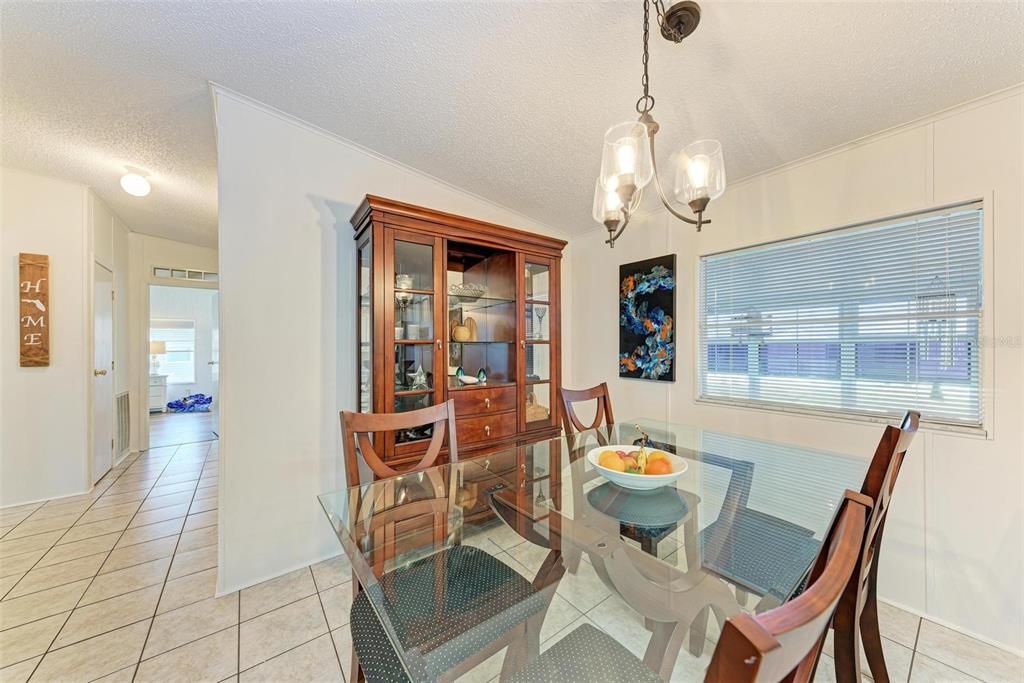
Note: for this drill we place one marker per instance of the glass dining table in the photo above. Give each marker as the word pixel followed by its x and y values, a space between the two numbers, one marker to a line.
pixel 481 566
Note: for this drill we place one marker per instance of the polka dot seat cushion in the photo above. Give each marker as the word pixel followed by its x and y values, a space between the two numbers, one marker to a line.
pixel 480 599
pixel 587 654
pixel 760 552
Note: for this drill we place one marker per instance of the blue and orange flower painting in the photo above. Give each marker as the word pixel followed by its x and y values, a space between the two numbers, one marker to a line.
pixel 647 304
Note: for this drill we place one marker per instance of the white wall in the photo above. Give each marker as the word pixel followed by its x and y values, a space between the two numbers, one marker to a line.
pixel 75 228
pixel 44 439
pixel 954 545
pixel 199 306
pixel 286 193
pixel 145 253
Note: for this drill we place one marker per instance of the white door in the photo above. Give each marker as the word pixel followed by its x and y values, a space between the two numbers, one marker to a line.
pixel 215 356
pixel 103 373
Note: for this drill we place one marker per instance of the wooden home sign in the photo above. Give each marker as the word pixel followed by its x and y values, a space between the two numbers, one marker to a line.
pixel 34 320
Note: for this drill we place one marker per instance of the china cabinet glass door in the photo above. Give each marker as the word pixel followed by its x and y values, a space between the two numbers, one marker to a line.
pixel 364 320
pixel 414 287
pixel 536 343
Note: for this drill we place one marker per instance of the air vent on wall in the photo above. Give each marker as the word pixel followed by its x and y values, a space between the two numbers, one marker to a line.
pixel 184 274
pixel 122 424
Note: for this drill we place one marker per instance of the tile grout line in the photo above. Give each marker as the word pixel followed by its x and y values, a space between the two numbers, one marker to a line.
pixel 913 651
pixel 330 631
pixel 57 540
pixel 127 566
pixel 170 566
pixel 93 579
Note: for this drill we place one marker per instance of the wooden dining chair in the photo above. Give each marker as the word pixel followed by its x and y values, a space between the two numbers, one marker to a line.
pixel 456 606
pixel 358 428
pixel 571 421
pixel 784 644
pixel 858 609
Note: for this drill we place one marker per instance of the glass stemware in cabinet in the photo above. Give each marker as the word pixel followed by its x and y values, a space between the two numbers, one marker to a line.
pixel 536 328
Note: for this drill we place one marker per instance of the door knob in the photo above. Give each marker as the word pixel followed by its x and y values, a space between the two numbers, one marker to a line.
pixel 98 373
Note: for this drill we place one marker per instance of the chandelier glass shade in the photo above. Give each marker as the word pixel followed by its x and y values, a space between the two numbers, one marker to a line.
pixel 628 160
pixel 700 172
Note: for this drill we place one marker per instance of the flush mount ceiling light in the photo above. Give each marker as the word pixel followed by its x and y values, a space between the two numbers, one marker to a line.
pixel 628 163
pixel 135 184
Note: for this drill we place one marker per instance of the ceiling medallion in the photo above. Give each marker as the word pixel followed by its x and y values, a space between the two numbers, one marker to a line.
pixel 628 163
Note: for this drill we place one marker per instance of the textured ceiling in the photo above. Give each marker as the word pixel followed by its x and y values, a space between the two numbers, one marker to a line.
pixel 506 99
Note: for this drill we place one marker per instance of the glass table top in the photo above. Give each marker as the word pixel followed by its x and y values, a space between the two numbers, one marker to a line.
pixel 458 561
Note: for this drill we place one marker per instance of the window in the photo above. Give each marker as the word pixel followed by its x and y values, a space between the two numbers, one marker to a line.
pixel 178 363
pixel 873 320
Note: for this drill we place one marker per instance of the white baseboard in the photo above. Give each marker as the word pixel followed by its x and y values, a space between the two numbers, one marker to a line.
pixel 954 627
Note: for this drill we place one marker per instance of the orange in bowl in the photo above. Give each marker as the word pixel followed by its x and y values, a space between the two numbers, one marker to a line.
pixel 658 466
pixel 612 461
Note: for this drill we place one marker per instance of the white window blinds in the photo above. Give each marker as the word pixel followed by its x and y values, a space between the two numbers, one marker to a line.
pixel 873 320
pixel 178 363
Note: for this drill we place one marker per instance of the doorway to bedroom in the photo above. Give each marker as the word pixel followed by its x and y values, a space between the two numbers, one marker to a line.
pixel 184 365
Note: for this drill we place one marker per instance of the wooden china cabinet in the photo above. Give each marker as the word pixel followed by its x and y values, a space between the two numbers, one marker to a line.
pixel 440 296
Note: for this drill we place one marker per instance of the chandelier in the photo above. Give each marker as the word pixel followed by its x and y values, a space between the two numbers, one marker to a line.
pixel 628 163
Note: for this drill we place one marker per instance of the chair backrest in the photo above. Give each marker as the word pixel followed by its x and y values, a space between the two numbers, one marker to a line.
pixel 785 643
pixel 880 482
pixel 357 429
pixel 571 422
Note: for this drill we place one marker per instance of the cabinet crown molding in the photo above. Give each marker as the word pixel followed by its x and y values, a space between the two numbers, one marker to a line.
pixel 400 214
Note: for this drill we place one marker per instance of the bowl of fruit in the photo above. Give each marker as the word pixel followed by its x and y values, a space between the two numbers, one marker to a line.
pixel 637 467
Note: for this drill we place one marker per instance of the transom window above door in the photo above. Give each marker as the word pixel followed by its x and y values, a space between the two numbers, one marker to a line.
pixel 874 320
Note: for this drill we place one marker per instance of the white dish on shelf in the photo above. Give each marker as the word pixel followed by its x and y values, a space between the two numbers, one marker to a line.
pixel 468 379
pixel 467 290
pixel 637 482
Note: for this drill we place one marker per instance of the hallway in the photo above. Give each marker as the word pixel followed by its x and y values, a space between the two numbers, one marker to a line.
pixel 169 429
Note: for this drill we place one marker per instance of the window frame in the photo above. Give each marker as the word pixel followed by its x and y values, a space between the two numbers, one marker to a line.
pixel 985 357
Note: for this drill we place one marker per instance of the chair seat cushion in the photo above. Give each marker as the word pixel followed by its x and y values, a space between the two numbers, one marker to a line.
pixel 586 654
pixel 761 552
pixel 444 608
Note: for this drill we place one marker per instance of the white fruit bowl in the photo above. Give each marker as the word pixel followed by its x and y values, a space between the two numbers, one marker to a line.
pixel 637 482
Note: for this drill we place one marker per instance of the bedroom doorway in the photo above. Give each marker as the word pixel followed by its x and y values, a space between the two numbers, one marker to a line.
pixel 184 370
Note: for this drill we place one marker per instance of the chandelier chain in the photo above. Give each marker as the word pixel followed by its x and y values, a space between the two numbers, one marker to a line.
pixel 646 102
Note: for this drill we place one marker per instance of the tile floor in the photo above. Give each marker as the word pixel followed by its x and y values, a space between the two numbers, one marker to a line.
pixel 118 585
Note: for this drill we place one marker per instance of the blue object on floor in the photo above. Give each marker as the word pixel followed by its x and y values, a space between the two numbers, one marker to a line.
pixel 194 403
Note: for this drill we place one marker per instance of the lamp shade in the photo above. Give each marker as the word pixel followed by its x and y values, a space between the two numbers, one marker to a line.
pixel 608 205
pixel 157 347
pixel 626 158
pixel 700 172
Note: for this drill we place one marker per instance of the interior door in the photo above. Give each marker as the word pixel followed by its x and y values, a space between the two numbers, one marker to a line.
pixel 103 373
pixel 214 361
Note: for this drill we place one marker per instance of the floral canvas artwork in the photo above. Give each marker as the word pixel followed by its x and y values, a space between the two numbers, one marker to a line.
pixel 647 308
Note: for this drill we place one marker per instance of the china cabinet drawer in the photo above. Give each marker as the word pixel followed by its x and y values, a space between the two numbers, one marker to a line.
pixel 158 380
pixel 485 427
pixel 483 401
